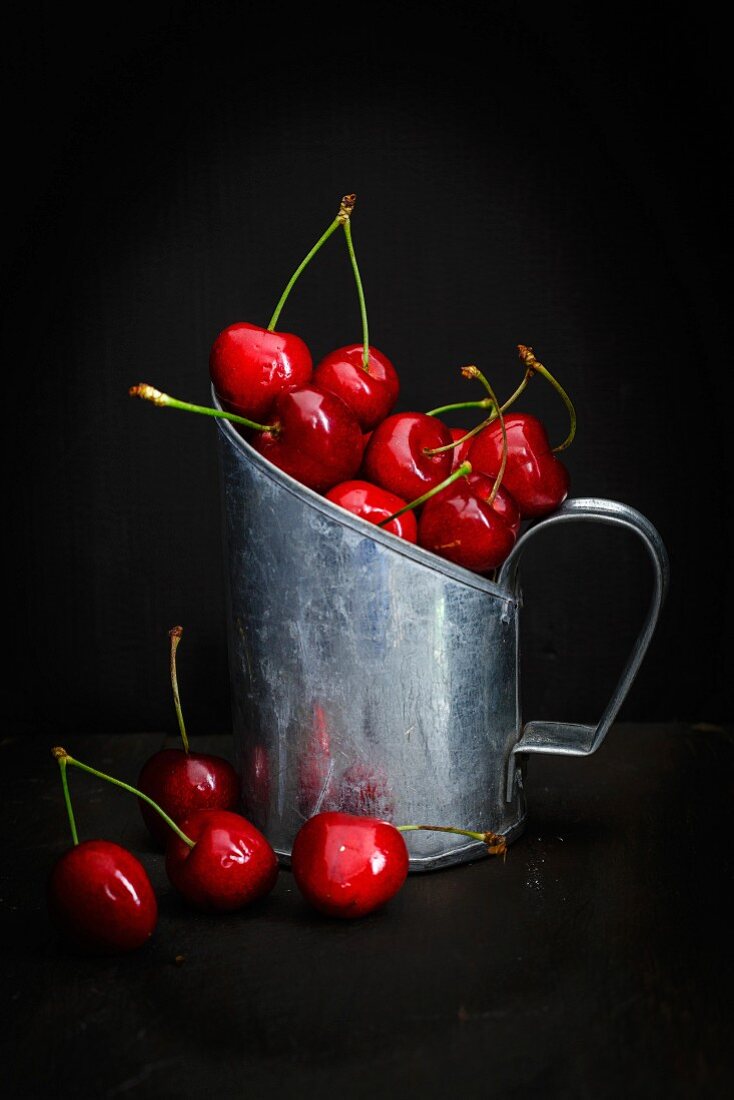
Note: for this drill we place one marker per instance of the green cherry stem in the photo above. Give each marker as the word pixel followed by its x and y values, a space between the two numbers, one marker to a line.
pixel 495 842
pixel 165 401
pixel 64 759
pixel 483 403
pixel 360 294
pixel 474 372
pixel 345 209
pixel 533 365
pixel 175 635
pixel 460 471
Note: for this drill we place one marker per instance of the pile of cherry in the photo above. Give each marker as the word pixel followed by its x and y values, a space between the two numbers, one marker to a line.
pixel 100 896
pixel 460 494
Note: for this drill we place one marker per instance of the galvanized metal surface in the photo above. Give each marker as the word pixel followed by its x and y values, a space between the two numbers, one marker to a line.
pixel 371 676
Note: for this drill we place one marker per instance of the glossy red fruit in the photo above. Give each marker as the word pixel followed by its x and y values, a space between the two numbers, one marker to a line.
pixel 101 899
pixel 461 453
pixel 250 366
pixel 459 524
pixel 371 393
pixel 375 504
pixel 231 864
pixel 396 459
pixel 317 438
pixel 346 865
pixel 535 477
pixel 184 781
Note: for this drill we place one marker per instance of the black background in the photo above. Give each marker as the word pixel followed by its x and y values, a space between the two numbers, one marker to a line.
pixel 555 175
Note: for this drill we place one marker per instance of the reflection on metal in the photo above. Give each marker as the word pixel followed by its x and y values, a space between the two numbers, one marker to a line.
pixel 371 676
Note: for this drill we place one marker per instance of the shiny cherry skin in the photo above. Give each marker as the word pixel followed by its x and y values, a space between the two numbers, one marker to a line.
pixel 395 456
pixel 250 366
pixel 375 504
pixel 317 438
pixel 535 477
pixel 231 865
pixel 459 453
pixel 184 781
pixel 459 524
pixel 370 392
pixel 101 899
pixel 346 865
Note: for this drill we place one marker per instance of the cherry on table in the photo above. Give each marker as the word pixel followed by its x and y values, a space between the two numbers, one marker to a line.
pixel 179 780
pixel 230 865
pixel 346 865
pixel 101 899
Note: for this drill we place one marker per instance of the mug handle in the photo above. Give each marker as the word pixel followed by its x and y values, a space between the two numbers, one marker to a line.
pixel 568 739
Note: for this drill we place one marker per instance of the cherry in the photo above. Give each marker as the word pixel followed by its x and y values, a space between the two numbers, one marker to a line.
pixel 370 391
pixel 99 895
pixel 460 453
pixel 181 781
pixel 462 526
pixel 347 865
pixel 250 366
pixel 230 865
pixel 101 899
pixel 374 504
pixel 315 437
pixel 222 861
pixel 537 480
pixel 398 455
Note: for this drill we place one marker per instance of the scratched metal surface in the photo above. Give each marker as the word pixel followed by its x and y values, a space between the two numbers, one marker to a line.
pixel 365 676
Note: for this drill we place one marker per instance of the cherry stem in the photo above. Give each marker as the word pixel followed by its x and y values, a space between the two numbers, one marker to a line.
pixel 533 365
pixel 61 759
pixel 165 401
pixel 468 372
pixel 360 294
pixel 175 635
pixel 345 209
pixel 474 372
pixel 495 842
pixel 483 403
pixel 64 758
pixel 460 471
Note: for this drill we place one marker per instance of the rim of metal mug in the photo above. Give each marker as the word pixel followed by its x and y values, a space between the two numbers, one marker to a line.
pixel 356 523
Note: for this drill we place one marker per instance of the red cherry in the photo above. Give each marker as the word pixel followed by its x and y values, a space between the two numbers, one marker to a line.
pixel 537 480
pixel 370 392
pixel 461 453
pixel 250 366
pixel 374 504
pixel 231 864
pixel 459 524
pixel 184 781
pixel 396 457
pixel 180 781
pixel 101 899
pixel 348 866
pixel 316 439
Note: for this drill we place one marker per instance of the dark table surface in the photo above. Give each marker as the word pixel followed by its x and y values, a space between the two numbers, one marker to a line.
pixel 595 960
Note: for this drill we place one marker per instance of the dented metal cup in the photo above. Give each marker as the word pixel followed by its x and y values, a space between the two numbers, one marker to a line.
pixel 371 676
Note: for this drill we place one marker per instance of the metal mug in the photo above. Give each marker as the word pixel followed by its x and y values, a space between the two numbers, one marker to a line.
pixel 371 676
